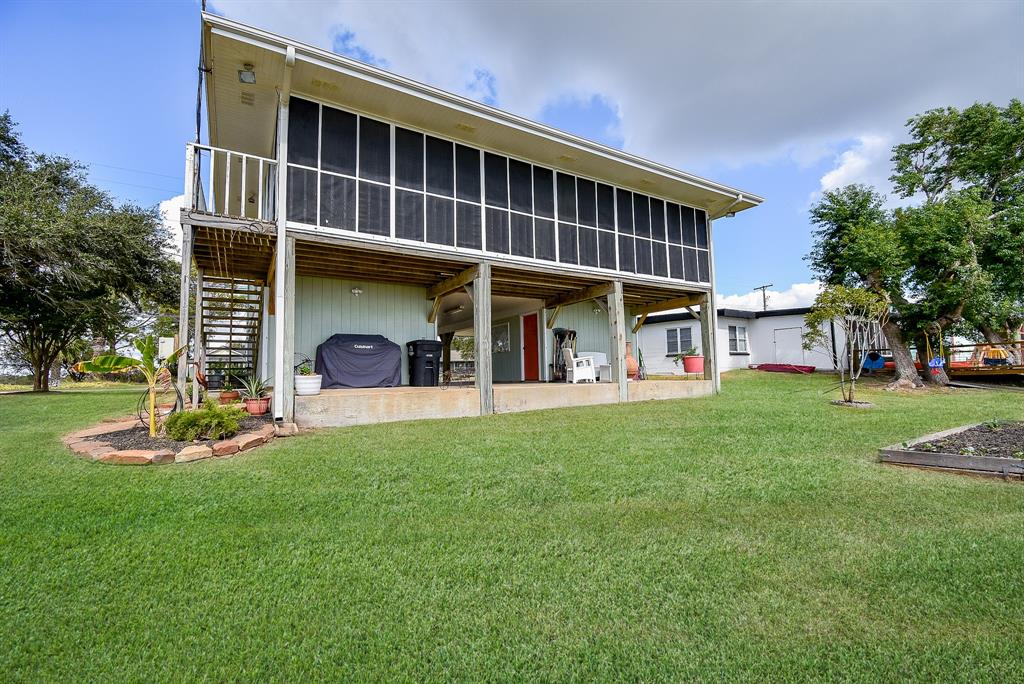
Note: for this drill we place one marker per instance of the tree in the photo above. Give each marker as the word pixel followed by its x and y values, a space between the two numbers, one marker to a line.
pixel 857 246
pixel 465 346
pixel 154 371
pixel 859 314
pixel 72 264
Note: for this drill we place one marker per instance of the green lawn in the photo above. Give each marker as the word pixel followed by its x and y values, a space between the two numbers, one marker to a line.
pixel 748 536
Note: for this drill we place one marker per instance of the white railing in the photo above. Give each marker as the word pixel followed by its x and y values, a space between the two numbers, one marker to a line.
pixel 226 183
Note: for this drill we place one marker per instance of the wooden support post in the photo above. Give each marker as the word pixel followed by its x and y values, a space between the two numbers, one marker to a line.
pixel 617 329
pixel 446 351
pixel 553 317
pixel 183 301
pixel 199 353
pixel 707 339
pixel 434 309
pixel 482 338
pixel 288 356
pixel 639 323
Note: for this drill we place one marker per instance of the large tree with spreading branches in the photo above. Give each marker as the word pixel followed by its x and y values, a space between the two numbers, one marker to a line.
pixel 72 263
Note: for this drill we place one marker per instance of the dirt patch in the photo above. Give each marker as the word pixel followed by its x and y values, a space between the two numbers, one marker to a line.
pixel 138 437
pixel 1001 439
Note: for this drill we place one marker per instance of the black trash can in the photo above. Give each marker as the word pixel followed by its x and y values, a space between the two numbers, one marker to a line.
pixel 424 362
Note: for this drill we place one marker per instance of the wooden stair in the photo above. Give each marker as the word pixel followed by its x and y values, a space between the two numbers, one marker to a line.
pixel 231 326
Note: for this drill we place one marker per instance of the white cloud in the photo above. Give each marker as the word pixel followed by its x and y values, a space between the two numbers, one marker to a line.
pixel 170 210
pixel 866 162
pixel 696 84
pixel 797 295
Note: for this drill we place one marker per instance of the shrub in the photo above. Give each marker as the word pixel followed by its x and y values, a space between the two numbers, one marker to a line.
pixel 212 421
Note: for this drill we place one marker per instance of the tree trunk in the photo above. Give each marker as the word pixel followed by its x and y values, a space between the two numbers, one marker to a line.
pixel 41 374
pixel 906 373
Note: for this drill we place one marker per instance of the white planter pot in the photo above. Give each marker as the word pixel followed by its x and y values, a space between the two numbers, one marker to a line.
pixel 307 385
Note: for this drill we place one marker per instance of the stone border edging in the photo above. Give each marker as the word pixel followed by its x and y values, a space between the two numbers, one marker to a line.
pixel 83 444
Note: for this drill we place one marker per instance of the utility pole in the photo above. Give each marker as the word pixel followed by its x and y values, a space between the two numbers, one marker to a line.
pixel 764 295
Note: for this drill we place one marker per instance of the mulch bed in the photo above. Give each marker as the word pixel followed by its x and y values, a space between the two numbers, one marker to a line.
pixel 138 437
pixel 998 439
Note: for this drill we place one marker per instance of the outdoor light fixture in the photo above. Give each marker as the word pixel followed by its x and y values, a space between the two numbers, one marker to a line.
pixel 455 309
pixel 247 75
pixel 356 291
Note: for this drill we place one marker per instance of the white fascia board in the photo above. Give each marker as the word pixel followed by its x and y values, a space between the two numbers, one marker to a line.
pixel 329 60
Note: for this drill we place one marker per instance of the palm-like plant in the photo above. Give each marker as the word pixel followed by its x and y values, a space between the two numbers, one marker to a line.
pixel 148 365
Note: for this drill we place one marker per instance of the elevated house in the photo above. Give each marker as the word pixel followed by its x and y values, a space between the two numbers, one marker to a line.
pixel 335 197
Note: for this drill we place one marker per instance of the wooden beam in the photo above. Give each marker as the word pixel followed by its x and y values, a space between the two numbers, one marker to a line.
pixel 482 338
pixel 677 303
pixel 639 323
pixel 617 330
pixel 434 309
pixel 553 317
pixel 587 293
pixel 453 283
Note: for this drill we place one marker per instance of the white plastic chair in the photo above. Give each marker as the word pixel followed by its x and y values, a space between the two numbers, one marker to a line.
pixel 578 368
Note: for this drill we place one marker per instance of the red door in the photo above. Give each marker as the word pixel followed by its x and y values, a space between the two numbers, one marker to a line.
pixel 531 357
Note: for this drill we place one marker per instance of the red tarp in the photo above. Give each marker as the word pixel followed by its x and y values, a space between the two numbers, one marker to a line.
pixel 785 368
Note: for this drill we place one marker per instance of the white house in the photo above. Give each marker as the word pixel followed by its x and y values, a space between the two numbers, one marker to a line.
pixel 336 198
pixel 745 338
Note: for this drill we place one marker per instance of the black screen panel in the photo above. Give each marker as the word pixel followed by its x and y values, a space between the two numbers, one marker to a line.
pixel 567 244
pixel 467 226
pixel 522 235
pixel 657 219
pixel 702 228
pixel 659 259
pixel 374 209
pixel 495 180
pixel 440 221
pixel 544 243
pixel 409 215
pixel 467 173
pixel 689 231
pixel 497 230
pixel 643 257
pixel 624 200
pixel 605 207
pixel 337 202
pixel 374 150
pixel 520 186
pixel 338 144
pixel 690 264
pixel 675 262
pixel 606 249
pixel 586 201
pixel 543 192
pixel 301 195
pixel 440 167
pixel 675 231
pixel 626 256
pixel 703 267
pixel 588 246
pixel 408 159
pixel 566 198
pixel 303 131
pixel 641 217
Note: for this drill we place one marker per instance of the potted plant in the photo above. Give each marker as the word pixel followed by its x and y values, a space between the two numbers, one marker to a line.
pixel 228 393
pixel 692 361
pixel 254 395
pixel 307 382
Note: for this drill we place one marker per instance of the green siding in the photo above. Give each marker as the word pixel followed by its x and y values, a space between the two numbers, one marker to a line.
pixel 325 306
pixel 507 366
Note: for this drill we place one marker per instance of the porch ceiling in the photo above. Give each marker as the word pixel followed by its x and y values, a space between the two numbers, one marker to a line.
pixel 230 252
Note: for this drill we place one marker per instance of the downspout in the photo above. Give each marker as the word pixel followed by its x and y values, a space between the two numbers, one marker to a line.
pixel 281 204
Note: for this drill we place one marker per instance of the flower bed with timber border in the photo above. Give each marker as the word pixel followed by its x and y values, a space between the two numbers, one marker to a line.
pixel 990 449
pixel 114 442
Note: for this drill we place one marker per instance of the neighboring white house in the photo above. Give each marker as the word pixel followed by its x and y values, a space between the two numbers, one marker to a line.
pixel 745 338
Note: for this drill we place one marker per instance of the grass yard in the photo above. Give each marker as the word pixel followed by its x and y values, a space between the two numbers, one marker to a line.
pixel 748 536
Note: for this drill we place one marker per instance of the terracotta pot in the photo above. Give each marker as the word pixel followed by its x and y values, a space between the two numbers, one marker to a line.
pixel 257 407
pixel 228 396
pixel 632 367
pixel 693 364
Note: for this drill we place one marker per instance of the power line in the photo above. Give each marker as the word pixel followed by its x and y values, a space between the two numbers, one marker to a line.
pixel 125 168
pixel 135 185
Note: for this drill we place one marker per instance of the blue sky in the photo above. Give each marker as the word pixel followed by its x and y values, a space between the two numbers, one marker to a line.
pixel 765 110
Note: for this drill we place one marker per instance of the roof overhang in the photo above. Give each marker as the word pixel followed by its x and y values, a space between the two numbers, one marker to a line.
pixel 242 116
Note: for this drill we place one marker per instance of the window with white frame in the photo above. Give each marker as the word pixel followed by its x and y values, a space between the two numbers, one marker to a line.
pixel 738 339
pixel 678 340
